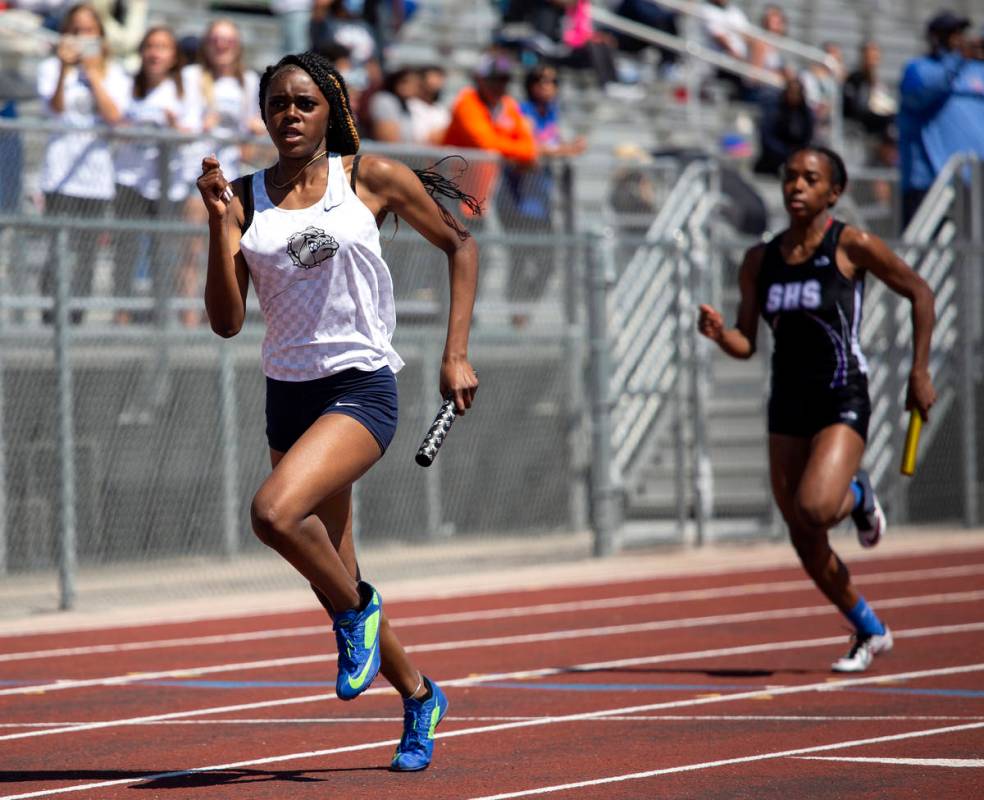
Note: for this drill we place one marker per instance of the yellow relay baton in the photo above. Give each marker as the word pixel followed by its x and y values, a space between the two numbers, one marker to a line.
pixel 911 443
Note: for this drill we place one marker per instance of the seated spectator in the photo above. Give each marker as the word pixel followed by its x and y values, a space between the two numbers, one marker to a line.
pixel 656 17
pixel 294 17
pixel 82 88
pixel 341 59
pixel 390 119
pixel 430 118
pixel 526 195
pixel 589 48
pixel 941 111
pixel 339 21
pixel 763 55
pixel 723 29
pixel 484 116
pixel 786 126
pixel 821 87
pixel 867 99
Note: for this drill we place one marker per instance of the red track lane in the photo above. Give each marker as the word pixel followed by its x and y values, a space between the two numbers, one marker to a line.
pixel 773 682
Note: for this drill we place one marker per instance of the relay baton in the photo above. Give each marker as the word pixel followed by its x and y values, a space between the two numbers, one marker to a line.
pixel 436 434
pixel 911 443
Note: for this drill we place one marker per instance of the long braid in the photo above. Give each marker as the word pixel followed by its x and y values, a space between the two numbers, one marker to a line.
pixel 343 138
pixel 439 186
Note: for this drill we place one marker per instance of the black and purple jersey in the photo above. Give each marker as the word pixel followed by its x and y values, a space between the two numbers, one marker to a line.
pixel 814 312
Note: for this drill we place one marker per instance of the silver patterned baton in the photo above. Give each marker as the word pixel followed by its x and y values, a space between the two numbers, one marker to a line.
pixel 436 434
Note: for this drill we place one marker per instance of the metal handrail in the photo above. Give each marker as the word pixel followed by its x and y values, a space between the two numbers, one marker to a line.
pixel 805 51
pixel 684 46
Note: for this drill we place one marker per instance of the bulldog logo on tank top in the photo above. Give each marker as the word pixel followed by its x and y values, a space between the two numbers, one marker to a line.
pixel 310 247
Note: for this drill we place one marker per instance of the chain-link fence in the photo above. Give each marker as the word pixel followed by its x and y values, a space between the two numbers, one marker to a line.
pixel 130 435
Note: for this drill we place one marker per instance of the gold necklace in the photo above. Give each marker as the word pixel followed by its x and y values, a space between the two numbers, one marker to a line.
pixel 297 174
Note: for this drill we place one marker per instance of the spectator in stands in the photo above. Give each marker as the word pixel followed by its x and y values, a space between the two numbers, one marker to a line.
pixel 484 116
pixel 655 16
pixel 430 117
pixel 822 88
pixel 764 55
pixel 589 48
pixel 526 196
pixel 341 58
pixel 11 162
pixel 81 88
pixel 942 108
pixel 340 21
pixel 786 126
pixel 723 29
pixel 867 99
pixel 294 17
pixel 157 99
pixel 222 100
pixel 390 118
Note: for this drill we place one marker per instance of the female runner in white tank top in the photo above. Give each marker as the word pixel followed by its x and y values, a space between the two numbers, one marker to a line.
pixel 310 243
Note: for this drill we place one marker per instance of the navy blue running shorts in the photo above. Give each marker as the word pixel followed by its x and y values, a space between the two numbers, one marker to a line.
pixel 368 397
pixel 805 411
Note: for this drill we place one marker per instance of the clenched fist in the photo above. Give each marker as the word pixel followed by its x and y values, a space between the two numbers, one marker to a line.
pixel 215 189
pixel 710 323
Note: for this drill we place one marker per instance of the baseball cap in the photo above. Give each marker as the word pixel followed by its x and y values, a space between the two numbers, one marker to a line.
pixel 494 66
pixel 946 22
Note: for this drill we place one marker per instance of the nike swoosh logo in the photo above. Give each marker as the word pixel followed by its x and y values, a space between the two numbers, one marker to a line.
pixel 353 405
pixel 358 680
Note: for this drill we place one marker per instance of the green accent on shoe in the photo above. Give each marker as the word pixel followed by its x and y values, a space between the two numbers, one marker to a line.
pixel 372 625
pixel 435 718
pixel 358 680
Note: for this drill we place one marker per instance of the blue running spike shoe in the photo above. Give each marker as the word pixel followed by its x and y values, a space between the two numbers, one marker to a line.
pixel 357 637
pixel 420 718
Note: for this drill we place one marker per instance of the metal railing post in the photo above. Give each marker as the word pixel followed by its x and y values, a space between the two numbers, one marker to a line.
pixel 600 276
pixel 569 261
pixel 680 387
pixel 68 545
pixel 229 442
pixel 969 327
pixel 436 527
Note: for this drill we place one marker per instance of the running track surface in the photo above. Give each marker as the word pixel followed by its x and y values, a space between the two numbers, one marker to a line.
pixel 712 685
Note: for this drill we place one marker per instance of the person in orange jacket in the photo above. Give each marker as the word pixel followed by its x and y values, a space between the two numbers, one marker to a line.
pixel 485 117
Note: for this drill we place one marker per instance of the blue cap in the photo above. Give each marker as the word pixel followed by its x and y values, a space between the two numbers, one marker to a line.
pixel 947 22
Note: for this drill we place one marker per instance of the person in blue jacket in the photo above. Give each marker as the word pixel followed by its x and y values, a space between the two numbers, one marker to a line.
pixel 942 108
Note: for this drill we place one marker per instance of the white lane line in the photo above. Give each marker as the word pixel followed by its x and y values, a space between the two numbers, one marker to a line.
pixel 911 762
pixel 729 761
pixel 813 687
pixel 477 680
pixel 497 641
pixel 513 718
pixel 656 598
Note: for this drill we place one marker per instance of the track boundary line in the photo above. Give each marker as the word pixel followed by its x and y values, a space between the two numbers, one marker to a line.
pixel 654 598
pixel 497 641
pixel 818 687
pixel 476 680
pixel 730 761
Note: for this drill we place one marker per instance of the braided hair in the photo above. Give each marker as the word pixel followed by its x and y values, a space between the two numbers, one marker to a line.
pixel 343 137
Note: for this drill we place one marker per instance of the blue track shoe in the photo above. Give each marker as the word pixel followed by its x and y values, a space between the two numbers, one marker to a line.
pixel 357 637
pixel 420 718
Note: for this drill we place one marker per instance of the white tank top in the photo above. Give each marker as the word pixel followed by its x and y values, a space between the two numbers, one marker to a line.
pixel 325 292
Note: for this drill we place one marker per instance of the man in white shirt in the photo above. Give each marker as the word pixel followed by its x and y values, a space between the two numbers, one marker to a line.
pixel 723 28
